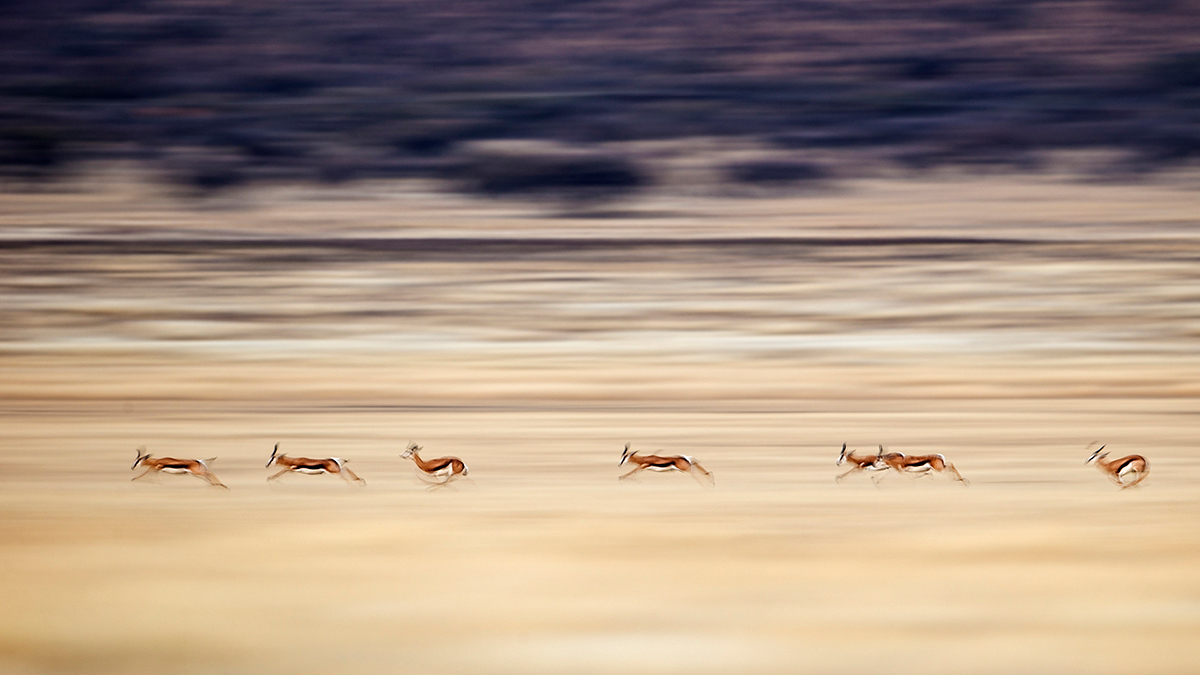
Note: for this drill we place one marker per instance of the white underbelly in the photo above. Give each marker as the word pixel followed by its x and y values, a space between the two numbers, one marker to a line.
pixel 175 471
pixel 311 472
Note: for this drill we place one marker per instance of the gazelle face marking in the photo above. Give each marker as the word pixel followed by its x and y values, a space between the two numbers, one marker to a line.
pixel 624 456
pixel 140 457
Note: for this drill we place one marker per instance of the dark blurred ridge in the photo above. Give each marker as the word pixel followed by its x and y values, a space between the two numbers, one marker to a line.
pixel 216 94
pixel 483 244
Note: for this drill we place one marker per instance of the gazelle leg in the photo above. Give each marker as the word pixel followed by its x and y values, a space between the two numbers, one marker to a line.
pixel 694 467
pixel 957 475
pixel 277 475
pixel 439 485
pixel 436 478
pixel 212 480
pixel 842 475
pixel 1137 478
pixel 635 470
pixel 142 474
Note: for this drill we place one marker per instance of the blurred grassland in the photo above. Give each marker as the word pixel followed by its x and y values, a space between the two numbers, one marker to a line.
pixel 1006 322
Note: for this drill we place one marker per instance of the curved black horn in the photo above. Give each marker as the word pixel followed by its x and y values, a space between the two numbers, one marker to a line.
pixel 273 454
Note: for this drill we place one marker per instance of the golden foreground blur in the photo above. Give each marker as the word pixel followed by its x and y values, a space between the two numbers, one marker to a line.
pixel 1006 323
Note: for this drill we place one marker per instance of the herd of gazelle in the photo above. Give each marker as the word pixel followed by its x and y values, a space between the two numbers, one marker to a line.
pixel 1124 472
pixel 921 465
pixel 436 472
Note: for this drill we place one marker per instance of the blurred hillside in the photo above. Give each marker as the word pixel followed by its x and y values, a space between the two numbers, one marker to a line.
pixel 584 97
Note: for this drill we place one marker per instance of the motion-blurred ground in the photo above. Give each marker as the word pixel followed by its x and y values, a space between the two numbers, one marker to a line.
pixel 1007 323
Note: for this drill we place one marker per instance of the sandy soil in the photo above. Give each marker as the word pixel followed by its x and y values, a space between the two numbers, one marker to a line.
pixel 1005 322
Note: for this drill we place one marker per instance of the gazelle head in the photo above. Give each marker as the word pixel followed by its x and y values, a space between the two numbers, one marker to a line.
pixel 273 452
pixel 625 455
pixel 1097 453
pixel 881 459
pixel 140 457
pixel 408 452
pixel 842 457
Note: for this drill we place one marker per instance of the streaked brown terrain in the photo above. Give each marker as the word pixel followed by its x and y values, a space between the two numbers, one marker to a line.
pixel 1008 323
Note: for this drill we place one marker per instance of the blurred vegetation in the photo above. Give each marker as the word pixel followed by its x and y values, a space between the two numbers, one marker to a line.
pixel 216 93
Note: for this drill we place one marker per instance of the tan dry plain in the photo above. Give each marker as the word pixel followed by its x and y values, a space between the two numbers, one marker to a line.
pixel 1006 322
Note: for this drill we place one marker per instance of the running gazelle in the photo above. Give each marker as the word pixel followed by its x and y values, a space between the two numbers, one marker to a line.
pixel 1118 469
pixel 684 463
pixel 922 465
pixel 860 463
pixel 332 465
pixel 445 468
pixel 196 467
